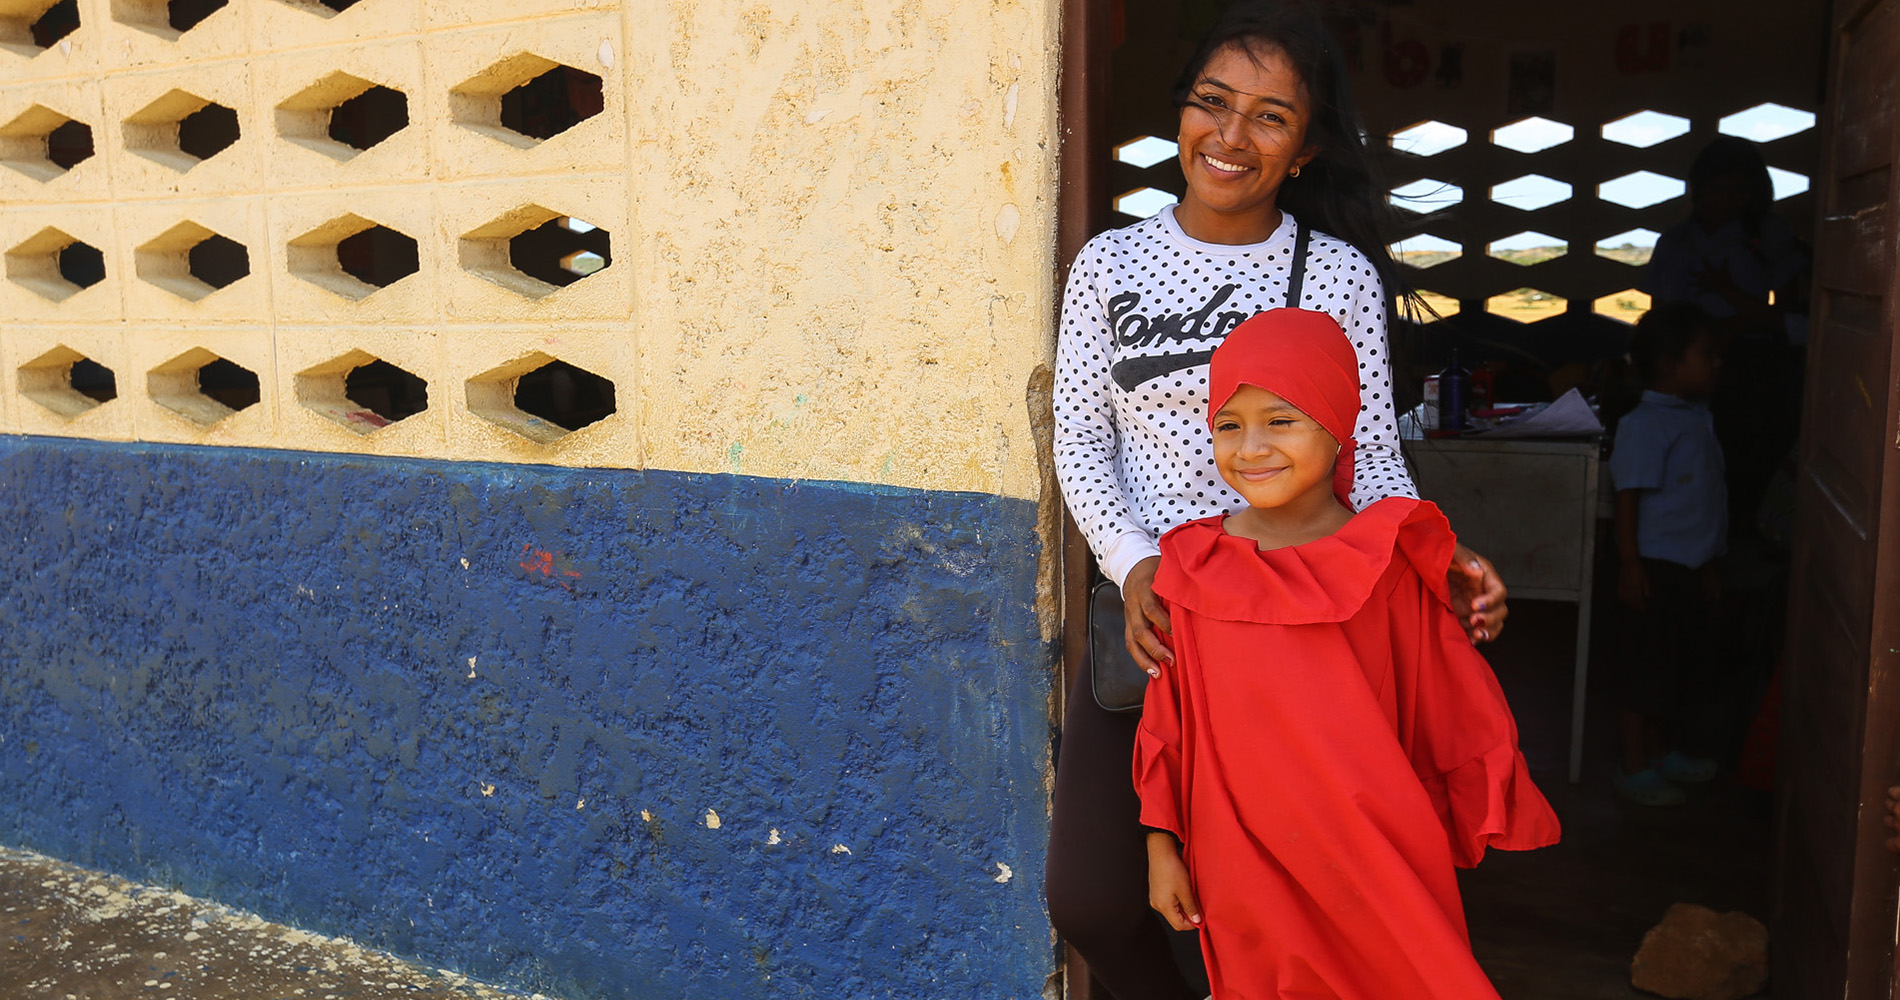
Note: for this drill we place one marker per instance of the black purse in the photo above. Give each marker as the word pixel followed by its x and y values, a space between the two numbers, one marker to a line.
pixel 1119 684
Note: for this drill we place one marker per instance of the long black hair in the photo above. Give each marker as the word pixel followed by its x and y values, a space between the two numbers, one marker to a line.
pixel 1339 192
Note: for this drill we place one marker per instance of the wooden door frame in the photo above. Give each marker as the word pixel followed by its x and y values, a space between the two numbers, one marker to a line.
pixel 1081 212
pixel 1871 952
pixel 1857 253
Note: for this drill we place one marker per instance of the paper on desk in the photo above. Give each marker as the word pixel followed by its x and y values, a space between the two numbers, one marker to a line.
pixel 1569 416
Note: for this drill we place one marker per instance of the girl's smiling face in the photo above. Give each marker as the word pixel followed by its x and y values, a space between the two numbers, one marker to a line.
pixel 1243 130
pixel 1271 453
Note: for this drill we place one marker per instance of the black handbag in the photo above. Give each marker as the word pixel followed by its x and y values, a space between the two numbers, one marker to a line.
pixel 1120 684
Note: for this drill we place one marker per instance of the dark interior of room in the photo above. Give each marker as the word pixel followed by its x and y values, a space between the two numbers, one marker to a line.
pixel 1533 153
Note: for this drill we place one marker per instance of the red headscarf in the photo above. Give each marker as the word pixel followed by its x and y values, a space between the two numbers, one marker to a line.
pixel 1303 357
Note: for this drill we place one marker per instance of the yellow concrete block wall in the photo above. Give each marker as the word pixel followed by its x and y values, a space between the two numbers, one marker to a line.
pixel 831 227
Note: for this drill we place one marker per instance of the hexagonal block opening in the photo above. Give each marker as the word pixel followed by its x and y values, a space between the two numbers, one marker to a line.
pixel 1526 305
pixel 1426 195
pixel 1143 202
pixel 1626 306
pixel 353 256
pixel 1530 192
pixel 1645 129
pixel 1532 135
pixel 43 144
pixel 536 251
pixel 191 261
pixel 324 8
pixel 202 387
pixel 540 397
pixel 1527 248
pixel 1787 183
pixel 30 27
pixel 168 19
pixel 361 392
pixel 1443 305
pixel 1632 246
pixel 67 382
pixel 1146 151
pixel 1427 138
pixel 1426 250
pixel 54 265
pixel 181 130
pixel 1766 122
pixel 561 251
pixel 1640 189
pixel 526 99
pixel 342 115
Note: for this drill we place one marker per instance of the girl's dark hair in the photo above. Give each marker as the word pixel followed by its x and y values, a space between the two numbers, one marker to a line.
pixel 1732 156
pixel 1339 192
pixel 1665 334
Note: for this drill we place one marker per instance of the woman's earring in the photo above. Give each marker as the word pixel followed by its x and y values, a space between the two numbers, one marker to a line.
pixel 1295 172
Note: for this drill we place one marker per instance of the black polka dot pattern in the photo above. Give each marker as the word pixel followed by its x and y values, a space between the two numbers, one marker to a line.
pixel 1136 460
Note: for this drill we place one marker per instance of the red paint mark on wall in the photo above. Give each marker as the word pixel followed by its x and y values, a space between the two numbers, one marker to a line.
pixel 1643 48
pixel 1407 61
pixel 554 566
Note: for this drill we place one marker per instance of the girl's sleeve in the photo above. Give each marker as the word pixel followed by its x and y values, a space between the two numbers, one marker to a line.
pixel 1158 740
pixel 1087 441
pixel 1458 731
pixel 1378 469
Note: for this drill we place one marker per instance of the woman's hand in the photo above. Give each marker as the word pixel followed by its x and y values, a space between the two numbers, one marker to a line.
pixel 1477 594
pixel 1170 891
pixel 1144 615
pixel 1890 818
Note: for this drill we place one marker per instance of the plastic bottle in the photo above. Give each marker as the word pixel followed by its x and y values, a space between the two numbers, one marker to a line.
pixel 1454 396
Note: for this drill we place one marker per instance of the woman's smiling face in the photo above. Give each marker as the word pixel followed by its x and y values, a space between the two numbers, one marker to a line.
pixel 1243 131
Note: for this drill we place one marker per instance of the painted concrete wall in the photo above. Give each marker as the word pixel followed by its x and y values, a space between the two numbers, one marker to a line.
pixel 598 733
pixel 742 691
pixel 833 227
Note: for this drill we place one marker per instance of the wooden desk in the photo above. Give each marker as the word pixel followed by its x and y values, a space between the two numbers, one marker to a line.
pixel 1530 506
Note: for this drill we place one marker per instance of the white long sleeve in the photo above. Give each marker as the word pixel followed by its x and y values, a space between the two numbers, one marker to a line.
pixel 1143 306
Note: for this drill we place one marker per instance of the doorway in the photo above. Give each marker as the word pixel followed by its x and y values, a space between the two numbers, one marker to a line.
pixel 1533 156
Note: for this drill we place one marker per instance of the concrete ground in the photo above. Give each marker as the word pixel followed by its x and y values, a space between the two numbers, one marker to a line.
pixel 75 934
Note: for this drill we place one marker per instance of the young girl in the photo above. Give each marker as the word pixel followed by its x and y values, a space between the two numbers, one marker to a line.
pixel 1326 744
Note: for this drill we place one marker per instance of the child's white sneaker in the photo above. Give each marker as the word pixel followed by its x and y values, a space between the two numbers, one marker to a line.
pixel 1678 766
pixel 1648 787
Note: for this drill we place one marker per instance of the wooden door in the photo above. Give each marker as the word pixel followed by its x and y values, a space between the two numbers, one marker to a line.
pixel 1835 885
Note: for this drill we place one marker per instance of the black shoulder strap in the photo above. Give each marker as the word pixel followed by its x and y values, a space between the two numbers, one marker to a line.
pixel 1297 283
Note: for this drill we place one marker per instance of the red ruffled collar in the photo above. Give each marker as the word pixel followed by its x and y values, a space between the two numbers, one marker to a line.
pixel 1229 578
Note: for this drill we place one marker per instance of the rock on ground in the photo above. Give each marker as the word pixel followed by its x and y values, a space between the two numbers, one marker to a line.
pixel 1699 954
pixel 74 934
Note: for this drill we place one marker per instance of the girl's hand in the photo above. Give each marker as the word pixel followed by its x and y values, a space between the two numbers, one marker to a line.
pixel 1144 615
pixel 1477 594
pixel 1169 891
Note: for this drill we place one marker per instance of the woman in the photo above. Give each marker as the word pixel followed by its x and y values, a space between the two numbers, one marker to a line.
pixel 1265 122
pixel 1742 265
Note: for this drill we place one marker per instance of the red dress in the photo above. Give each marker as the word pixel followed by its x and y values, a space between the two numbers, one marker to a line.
pixel 1328 745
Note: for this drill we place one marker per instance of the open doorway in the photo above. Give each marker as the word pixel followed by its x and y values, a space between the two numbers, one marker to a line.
pixel 1534 155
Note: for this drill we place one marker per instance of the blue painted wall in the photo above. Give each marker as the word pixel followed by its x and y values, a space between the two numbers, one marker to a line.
pixel 248 674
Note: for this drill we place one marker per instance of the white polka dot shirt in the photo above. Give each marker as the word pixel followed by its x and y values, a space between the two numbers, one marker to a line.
pixel 1133 452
